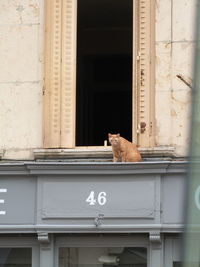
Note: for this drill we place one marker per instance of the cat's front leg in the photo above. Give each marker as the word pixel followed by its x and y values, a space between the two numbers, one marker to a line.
pixel 116 157
pixel 123 156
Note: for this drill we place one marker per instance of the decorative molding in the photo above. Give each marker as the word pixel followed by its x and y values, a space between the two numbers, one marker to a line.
pixel 155 237
pixel 52 85
pixel 60 74
pixel 68 86
pixel 101 168
pixel 56 228
pixel 43 238
pixel 145 21
pixel 98 219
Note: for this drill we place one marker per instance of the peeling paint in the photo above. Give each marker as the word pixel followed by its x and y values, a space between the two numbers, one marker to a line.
pixel 184 103
pixel 158 5
pixel 173 113
pixel 185 45
pixel 168 44
pixel 35 9
pixel 20 9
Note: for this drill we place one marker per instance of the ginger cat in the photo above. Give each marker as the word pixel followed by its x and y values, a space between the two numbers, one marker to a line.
pixel 123 150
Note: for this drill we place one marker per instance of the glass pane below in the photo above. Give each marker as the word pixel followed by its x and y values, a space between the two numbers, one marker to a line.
pixel 177 264
pixel 15 257
pixel 103 257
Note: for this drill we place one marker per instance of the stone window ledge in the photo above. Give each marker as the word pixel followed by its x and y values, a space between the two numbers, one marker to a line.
pixel 1 154
pixel 100 153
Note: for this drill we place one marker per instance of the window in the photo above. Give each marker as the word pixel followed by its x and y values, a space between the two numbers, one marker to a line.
pixel 177 264
pixel 103 257
pixel 104 70
pixel 98 55
pixel 19 257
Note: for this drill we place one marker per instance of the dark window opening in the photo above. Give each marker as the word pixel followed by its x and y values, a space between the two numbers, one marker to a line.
pixel 103 257
pixel 104 70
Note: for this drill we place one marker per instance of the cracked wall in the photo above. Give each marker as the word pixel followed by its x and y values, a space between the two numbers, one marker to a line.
pixel 175 44
pixel 21 76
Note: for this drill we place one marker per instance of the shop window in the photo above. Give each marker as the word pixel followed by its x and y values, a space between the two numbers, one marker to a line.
pixel 177 264
pixel 180 264
pixel 103 257
pixel 99 72
pixel 18 257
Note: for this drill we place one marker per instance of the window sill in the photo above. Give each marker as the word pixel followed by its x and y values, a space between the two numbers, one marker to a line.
pixel 1 153
pixel 103 153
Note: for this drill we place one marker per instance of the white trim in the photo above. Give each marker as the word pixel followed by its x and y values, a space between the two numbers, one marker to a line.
pixel 3 190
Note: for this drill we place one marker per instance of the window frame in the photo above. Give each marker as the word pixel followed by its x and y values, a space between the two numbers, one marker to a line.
pixel 23 242
pixel 59 94
pixel 101 241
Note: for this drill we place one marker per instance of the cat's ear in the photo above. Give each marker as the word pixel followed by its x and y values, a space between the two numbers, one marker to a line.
pixel 118 135
pixel 109 135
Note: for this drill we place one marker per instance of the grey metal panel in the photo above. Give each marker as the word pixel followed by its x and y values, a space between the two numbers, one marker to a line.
pixel 50 196
pixel 173 198
pixel 18 200
pixel 125 197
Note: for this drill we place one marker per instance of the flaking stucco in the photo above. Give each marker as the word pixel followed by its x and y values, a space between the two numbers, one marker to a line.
pixel 175 46
pixel 21 76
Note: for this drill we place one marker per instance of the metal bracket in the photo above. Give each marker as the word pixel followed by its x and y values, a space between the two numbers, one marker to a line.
pixel 43 237
pixel 97 219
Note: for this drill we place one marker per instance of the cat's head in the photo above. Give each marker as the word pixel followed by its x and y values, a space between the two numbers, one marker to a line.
pixel 113 139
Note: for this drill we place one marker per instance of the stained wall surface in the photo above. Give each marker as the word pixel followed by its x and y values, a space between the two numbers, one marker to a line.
pixel 21 75
pixel 175 45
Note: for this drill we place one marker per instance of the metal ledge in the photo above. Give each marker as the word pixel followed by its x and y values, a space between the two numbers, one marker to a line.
pixel 99 168
pixel 135 228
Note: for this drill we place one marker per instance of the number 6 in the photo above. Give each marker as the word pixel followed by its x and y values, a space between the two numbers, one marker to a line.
pixel 102 198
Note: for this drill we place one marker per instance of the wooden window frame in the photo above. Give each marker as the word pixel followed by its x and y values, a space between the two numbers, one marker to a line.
pixel 60 73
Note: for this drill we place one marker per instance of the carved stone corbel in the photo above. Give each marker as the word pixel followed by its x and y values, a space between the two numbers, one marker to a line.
pixel 155 237
pixel 43 238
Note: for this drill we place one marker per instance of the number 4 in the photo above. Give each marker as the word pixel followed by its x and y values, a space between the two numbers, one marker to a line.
pixel 91 199
pixel 101 198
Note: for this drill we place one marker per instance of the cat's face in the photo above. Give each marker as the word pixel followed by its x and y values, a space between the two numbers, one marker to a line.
pixel 113 139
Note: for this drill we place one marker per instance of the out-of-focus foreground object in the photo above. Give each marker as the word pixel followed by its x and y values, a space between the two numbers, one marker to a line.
pixel 192 235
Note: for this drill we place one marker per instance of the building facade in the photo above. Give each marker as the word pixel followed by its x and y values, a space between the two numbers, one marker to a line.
pixel 73 71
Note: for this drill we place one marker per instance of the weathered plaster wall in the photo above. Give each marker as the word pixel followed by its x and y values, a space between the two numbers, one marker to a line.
pixel 175 36
pixel 21 81
pixel 21 75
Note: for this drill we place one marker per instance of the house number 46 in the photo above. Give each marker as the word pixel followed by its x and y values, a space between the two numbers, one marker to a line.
pixel 101 198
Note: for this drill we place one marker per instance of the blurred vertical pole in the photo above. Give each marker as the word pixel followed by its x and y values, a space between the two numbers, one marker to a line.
pixel 192 235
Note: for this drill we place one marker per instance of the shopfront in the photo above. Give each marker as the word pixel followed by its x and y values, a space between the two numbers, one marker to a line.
pixel 97 214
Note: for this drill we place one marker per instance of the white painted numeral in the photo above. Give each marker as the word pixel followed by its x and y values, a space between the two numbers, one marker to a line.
pixel 91 199
pixel 3 190
pixel 101 198
pixel 2 212
pixel 2 201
